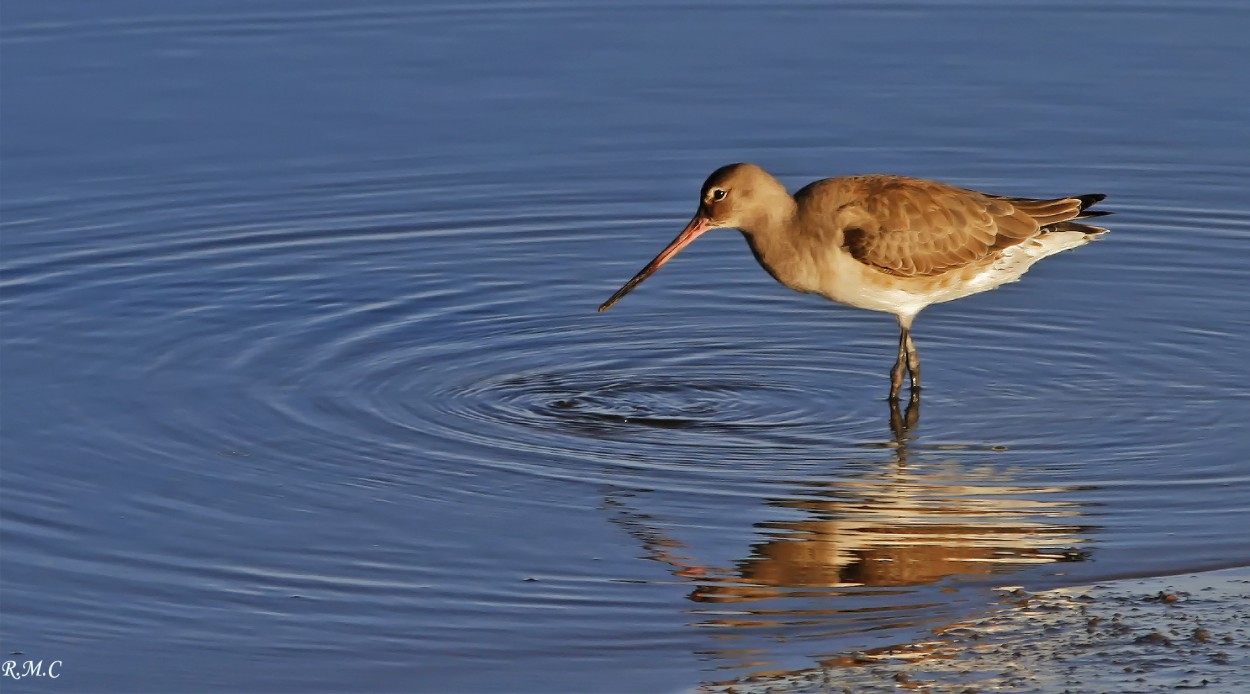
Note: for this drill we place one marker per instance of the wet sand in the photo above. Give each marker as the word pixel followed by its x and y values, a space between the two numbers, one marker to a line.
pixel 1136 635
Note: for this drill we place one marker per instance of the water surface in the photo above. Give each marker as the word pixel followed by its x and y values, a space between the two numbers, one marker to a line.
pixel 304 388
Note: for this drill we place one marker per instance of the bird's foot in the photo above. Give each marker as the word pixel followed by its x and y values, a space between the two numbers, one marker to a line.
pixel 896 396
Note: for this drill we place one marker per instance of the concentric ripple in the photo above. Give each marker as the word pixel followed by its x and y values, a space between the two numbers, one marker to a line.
pixel 338 347
pixel 585 400
pixel 346 320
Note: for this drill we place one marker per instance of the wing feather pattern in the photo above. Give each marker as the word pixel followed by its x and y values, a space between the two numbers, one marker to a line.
pixel 917 228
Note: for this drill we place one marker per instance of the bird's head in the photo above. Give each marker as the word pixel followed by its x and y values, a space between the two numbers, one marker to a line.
pixel 737 196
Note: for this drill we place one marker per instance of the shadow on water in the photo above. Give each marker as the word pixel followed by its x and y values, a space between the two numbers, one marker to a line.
pixel 854 557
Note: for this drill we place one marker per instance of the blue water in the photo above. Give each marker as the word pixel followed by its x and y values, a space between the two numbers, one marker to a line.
pixel 302 387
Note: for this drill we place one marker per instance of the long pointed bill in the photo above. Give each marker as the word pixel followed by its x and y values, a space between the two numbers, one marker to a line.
pixel 693 230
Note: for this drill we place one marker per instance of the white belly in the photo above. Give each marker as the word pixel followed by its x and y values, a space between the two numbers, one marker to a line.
pixel 907 297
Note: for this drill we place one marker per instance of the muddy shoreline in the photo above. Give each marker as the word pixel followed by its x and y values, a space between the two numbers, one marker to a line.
pixel 1175 633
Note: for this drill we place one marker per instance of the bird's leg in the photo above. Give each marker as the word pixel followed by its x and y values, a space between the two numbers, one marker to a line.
pixel 913 362
pixel 900 367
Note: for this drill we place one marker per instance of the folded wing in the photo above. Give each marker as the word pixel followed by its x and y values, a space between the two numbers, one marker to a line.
pixel 915 228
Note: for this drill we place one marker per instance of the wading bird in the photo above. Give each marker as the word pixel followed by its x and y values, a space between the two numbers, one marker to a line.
pixel 883 243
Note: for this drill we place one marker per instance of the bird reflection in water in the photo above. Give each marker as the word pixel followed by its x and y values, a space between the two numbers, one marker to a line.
pixel 865 544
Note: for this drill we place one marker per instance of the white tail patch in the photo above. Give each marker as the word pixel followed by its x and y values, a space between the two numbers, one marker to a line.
pixel 1017 260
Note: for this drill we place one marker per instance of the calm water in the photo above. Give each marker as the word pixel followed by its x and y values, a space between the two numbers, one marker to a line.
pixel 304 388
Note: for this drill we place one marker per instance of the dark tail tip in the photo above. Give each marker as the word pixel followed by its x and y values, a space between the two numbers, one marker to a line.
pixel 1088 201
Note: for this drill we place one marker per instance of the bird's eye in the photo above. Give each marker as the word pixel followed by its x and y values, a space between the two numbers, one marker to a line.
pixel 718 194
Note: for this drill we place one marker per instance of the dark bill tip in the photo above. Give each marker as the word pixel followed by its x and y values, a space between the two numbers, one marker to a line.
pixel 697 226
pixel 629 287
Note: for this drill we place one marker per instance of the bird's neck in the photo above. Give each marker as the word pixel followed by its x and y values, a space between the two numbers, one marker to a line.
pixel 772 238
pixel 774 218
